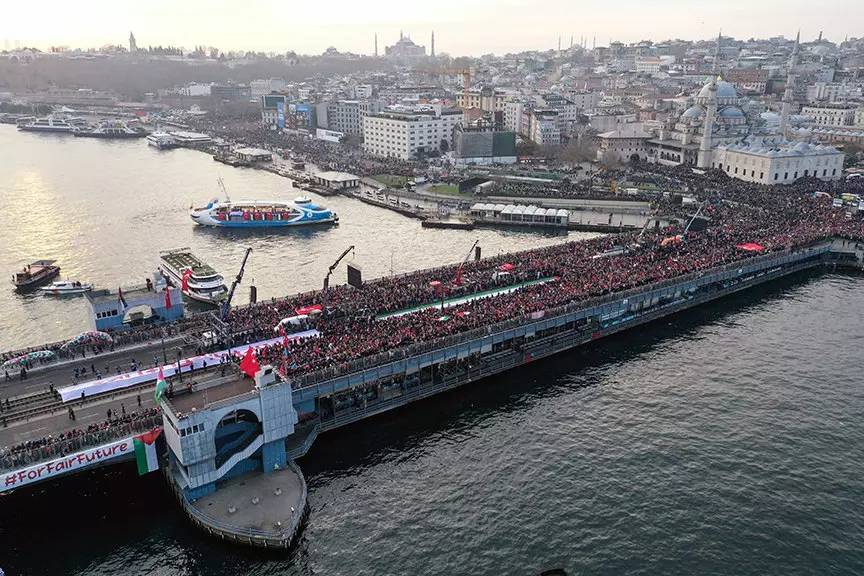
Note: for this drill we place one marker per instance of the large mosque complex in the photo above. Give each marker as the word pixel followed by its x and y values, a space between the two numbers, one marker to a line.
pixel 715 132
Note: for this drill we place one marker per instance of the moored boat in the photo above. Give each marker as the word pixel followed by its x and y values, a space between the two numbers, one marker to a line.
pixel 63 287
pixel 162 140
pixel 262 214
pixel 50 124
pixel 196 279
pixel 110 131
pixel 35 274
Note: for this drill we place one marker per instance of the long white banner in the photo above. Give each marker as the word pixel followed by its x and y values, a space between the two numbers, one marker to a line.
pixel 58 466
pixel 121 381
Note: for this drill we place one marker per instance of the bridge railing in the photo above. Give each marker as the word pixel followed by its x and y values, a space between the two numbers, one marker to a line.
pixel 392 355
pixel 20 458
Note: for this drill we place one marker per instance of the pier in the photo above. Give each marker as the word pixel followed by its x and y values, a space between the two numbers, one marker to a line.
pixel 227 442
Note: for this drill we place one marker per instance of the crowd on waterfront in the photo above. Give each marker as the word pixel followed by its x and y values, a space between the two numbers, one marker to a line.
pixel 78 438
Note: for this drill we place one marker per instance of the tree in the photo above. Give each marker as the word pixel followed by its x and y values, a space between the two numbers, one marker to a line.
pixel 526 148
pixel 578 151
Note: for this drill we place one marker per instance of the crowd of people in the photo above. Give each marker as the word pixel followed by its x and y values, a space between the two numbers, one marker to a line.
pixel 71 440
pixel 359 323
pixel 776 218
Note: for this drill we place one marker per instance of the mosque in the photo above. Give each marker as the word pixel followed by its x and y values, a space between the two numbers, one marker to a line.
pixel 716 132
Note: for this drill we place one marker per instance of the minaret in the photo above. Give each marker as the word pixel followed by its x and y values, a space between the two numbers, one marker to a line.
pixel 789 93
pixel 716 69
pixel 376 45
pixel 400 34
pixel 433 43
pixel 703 160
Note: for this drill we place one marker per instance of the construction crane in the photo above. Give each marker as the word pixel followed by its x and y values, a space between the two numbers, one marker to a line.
pixel 457 279
pixel 226 306
pixel 330 271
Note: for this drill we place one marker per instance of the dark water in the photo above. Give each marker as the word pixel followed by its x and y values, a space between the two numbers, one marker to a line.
pixel 725 440
pixel 104 210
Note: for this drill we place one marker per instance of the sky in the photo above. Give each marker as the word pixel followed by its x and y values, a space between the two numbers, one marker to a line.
pixel 461 27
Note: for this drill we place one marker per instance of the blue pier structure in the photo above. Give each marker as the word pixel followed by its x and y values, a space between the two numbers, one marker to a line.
pixel 223 431
pixel 126 307
pixel 225 428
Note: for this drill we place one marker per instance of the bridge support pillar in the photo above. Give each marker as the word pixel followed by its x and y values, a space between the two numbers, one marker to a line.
pixel 273 455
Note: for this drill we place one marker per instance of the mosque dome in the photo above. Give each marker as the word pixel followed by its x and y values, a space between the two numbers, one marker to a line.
pixel 724 90
pixel 693 112
pixel 731 112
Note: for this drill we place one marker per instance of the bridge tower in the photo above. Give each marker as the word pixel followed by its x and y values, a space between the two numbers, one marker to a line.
pixel 225 427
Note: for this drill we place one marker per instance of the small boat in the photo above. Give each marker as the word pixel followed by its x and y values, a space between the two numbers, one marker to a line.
pixel 63 287
pixel 35 274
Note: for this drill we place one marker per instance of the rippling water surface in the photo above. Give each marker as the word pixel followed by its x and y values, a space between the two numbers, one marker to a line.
pixel 724 440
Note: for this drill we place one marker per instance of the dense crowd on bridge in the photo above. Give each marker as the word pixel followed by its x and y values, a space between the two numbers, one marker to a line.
pixel 356 324
pixel 68 441
pixel 778 218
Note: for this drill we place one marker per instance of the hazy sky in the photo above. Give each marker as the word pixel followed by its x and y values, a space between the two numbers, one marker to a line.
pixel 461 27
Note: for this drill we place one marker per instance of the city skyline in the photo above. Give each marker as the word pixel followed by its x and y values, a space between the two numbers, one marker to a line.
pixel 459 29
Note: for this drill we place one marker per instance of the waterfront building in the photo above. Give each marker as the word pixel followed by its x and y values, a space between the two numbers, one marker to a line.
pixel 346 116
pixel 408 132
pixel 778 163
pixel 624 144
pixel 273 110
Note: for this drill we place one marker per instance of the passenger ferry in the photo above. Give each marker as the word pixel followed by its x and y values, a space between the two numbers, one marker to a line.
pixel 53 124
pixel 162 140
pixel 262 214
pixel 196 279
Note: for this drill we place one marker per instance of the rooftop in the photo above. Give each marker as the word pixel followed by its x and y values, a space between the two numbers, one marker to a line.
pixel 208 386
pixel 333 176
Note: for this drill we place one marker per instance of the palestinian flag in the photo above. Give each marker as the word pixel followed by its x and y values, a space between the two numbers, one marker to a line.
pixel 145 451
pixel 161 387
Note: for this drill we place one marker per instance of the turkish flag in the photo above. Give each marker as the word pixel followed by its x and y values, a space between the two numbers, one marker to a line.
pixel 249 364
pixel 167 298
pixel 184 285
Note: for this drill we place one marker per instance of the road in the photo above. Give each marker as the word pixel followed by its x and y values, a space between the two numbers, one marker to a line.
pixel 93 412
pixel 62 373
